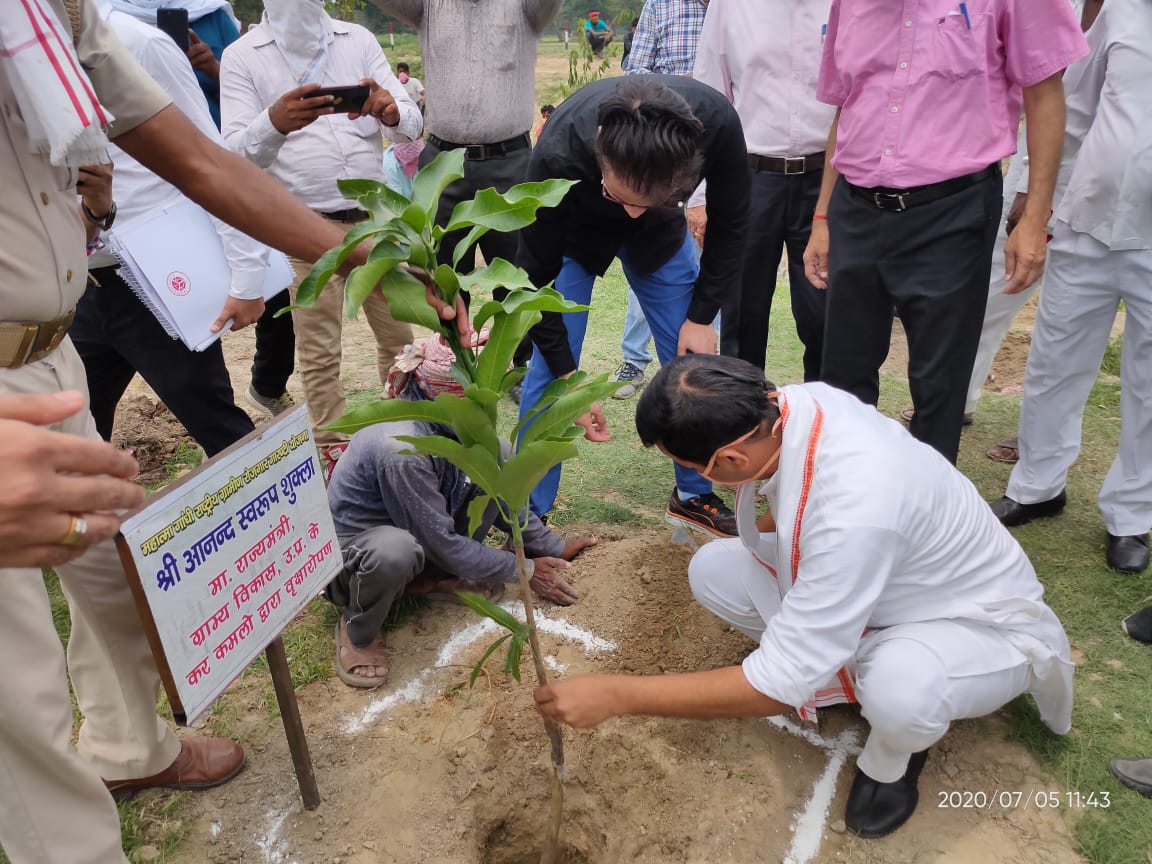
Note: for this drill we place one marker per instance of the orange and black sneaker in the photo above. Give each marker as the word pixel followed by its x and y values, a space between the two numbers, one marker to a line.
pixel 707 513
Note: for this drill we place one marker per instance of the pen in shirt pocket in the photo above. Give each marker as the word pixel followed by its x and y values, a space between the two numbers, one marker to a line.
pixel 963 12
pixel 823 33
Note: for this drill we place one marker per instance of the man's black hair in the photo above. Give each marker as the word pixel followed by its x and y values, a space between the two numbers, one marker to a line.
pixel 699 403
pixel 402 66
pixel 648 138
pixel 545 110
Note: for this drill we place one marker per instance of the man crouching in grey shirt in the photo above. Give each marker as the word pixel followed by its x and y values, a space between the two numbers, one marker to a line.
pixel 402 522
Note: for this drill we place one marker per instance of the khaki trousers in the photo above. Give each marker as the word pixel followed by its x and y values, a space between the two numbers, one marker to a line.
pixel 53 806
pixel 318 347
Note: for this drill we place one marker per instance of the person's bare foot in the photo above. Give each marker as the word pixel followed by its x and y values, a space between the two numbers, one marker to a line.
pixel 574 547
pixel 364 666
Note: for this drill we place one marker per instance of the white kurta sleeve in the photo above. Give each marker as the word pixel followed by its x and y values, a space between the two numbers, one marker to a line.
pixel 843 570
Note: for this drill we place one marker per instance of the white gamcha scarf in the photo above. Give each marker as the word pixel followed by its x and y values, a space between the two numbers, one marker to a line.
pixel 302 30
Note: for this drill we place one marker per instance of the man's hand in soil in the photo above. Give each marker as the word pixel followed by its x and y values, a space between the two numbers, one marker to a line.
pixel 201 57
pixel 296 109
pixel 52 480
pixel 574 547
pixel 582 701
pixel 549 584
pixel 380 104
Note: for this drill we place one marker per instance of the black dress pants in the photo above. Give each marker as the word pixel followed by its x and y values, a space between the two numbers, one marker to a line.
pixel 780 217
pixel 931 263
pixel 275 356
pixel 501 173
pixel 116 337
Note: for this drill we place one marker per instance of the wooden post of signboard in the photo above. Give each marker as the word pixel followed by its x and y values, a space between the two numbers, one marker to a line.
pixel 293 726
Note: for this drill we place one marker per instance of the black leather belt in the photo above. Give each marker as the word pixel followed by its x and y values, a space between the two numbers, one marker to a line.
pixel 354 214
pixel 885 198
pixel 483 152
pixel 787 165
pixel 24 342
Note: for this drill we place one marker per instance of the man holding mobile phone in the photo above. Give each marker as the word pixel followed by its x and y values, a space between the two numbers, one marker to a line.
pixel 274 115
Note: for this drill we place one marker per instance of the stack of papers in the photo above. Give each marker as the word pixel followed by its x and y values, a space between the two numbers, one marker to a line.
pixel 173 259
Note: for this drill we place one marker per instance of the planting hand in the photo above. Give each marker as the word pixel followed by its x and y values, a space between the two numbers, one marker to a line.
pixel 549 584
pixel 457 311
pixel 582 701
pixel 595 424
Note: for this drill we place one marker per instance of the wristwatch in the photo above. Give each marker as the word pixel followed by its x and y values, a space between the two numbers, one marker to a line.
pixel 102 223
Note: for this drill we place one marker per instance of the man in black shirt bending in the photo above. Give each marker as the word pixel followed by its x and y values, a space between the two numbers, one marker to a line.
pixel 639 147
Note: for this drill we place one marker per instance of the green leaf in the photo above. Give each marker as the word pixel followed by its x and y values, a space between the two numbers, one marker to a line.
pixel 498 273
pixel 531 300
pixel 504 338
pixel 462 247
pixel 470 422
pixel 527 468
pixel 448 281
pixel 431 180
pixel 483 606
pixel 331 261
pixel 512 661
pixel 508 211
pixel 362 281
pixel 512 377
pixel 479 667
pixel 415 216
pixel 556 388
pixel 489 400
pixel 390 410
pixel 375 197
pixel 575 403
pixel 475 461
pixel 407 300
pixel 477 507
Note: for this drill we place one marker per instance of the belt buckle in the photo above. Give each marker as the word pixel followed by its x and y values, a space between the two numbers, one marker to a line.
pixel 882 200
pixel 476 152
pixel 16 344
pixel 788 162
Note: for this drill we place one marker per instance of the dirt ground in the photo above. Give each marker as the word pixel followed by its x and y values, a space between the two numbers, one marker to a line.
pixel 426 771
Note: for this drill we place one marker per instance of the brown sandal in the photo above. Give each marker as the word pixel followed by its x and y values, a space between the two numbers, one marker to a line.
pixel 1007 451
pixel 349 657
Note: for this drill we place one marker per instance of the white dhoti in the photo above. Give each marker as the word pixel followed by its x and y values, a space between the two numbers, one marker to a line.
pixel 912 680
pixel 1086 281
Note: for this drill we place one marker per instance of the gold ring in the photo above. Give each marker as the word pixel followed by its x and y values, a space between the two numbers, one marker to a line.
pixel 76 530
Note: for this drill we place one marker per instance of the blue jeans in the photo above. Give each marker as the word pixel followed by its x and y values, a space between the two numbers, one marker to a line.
pixel 663 297
pixel 637 335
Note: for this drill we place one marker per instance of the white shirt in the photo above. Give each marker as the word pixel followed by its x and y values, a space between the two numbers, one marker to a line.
pixel 254 74
pixel 1109 130
pixel 138 190
pixel 891 533
pixel 414 88
pixel 764 55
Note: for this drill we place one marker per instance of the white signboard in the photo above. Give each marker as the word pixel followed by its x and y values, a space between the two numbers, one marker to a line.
pixel 228 555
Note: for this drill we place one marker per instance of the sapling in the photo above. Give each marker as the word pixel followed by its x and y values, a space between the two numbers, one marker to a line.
pixel 402 265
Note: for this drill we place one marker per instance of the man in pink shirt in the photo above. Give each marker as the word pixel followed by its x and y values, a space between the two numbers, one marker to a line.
pixel 929 97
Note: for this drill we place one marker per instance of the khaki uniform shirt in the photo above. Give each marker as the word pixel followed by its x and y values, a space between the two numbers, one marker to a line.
pixel 43 265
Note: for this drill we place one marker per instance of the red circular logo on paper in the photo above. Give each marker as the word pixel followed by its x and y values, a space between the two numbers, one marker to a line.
pixel 178 283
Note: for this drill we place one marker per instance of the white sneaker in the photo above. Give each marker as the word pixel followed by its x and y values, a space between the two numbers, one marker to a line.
pixel 632 377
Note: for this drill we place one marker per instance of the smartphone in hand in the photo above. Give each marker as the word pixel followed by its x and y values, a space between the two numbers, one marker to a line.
pixel 346 99
pixel 174 22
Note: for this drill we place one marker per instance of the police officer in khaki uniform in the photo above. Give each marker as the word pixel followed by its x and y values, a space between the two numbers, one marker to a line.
pixel 54 806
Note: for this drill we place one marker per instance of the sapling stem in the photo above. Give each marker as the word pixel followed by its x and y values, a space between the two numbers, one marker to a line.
pixel 551 850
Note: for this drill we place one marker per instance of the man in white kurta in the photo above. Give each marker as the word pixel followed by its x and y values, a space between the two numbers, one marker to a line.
pixel 1100 256
pixel 887 581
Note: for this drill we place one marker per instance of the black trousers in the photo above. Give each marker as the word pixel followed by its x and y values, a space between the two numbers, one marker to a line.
pixel 116 337
pixel 780 218
pixel 502 174
pixel 931 263
pixel 275 356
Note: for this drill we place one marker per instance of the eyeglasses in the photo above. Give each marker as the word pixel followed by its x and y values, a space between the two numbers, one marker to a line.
pixel 675 201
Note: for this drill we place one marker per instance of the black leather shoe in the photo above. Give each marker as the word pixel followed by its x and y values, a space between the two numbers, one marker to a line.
pixel 1138 625
pixel 1127 554
pixel 877 809
pixel 1011 512
pixel 1136 774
